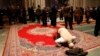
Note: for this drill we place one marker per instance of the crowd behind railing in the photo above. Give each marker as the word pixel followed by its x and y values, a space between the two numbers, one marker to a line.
pixel 66 13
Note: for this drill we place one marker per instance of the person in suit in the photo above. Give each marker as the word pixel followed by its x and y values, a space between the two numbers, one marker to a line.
pixel 87 15
pixel 44 17
pixel 97 25
pixel 53 16
pixel 31 14
pixel 68 17
pixel 22 18
pixel 1 18
pixel 38 13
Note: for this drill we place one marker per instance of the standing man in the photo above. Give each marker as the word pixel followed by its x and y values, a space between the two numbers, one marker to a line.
pixel 1 19
pixel 53 17
pixel 44 17
pixel 38 13
pixel 68 17
pixel 31 14
pixel 97 25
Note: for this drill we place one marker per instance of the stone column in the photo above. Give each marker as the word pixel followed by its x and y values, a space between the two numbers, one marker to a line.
pixel 37 3
pixel 81 1
pixel 32 3
pixel 71 2
pixel 78 3
pixel 84 4
pixel 42 4
pixel 26 4
pixel 74 4
pixel 98 3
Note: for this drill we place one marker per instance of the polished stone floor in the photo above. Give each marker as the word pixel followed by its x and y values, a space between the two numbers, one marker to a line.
pixel 3 36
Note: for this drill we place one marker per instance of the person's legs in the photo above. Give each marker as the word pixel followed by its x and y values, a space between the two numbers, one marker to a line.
pixel 74 37
pixel 60 40
pixel 96 31
pixel 70 24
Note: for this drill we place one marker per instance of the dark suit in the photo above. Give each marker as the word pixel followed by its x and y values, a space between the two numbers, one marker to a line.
pixel 1 18
pixel 44 17
pixel 97 25
pixel 53 17
pixel 68 16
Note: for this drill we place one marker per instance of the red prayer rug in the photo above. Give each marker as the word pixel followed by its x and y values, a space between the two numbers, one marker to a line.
pixel 38 34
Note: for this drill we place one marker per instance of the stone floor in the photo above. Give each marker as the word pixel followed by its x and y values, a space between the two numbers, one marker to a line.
pixel 3 36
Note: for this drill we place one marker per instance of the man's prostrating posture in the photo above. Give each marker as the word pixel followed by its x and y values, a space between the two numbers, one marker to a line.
pixel 65 37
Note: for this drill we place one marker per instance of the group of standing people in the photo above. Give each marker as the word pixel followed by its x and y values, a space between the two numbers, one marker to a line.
pixel 69 15
pixel 14 15
pixel 42 15
pixel 19 15
pixel 94 13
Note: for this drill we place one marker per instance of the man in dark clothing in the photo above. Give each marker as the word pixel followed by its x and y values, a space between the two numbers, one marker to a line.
pixel 22 18
pixel 97 25
pixel 61 14
pixel 53 17
pixel 82 13
pixel 71 20
pixel 44 17
pixel 31 14
pixel 1 18
pixel 38 13
pixel 93 13
pixel 68 16
pixel 9 14
pixel 87 15
pixel 17 14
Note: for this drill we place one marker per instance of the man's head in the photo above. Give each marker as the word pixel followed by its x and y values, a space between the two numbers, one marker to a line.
pixel 71 45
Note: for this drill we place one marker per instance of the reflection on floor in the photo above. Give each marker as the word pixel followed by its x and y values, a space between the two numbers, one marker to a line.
pixel 3 36
pixel 88 28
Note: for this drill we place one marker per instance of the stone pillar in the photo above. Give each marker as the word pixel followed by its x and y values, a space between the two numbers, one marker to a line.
pixel 41 3
pixel 74 4
pixel 33 3
pixel 29 1
pixel 26 4
pixel 81 2
pixel 84 4
pixel 78 3
pixel 71 2
pixel 97 3
pixel 37 3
